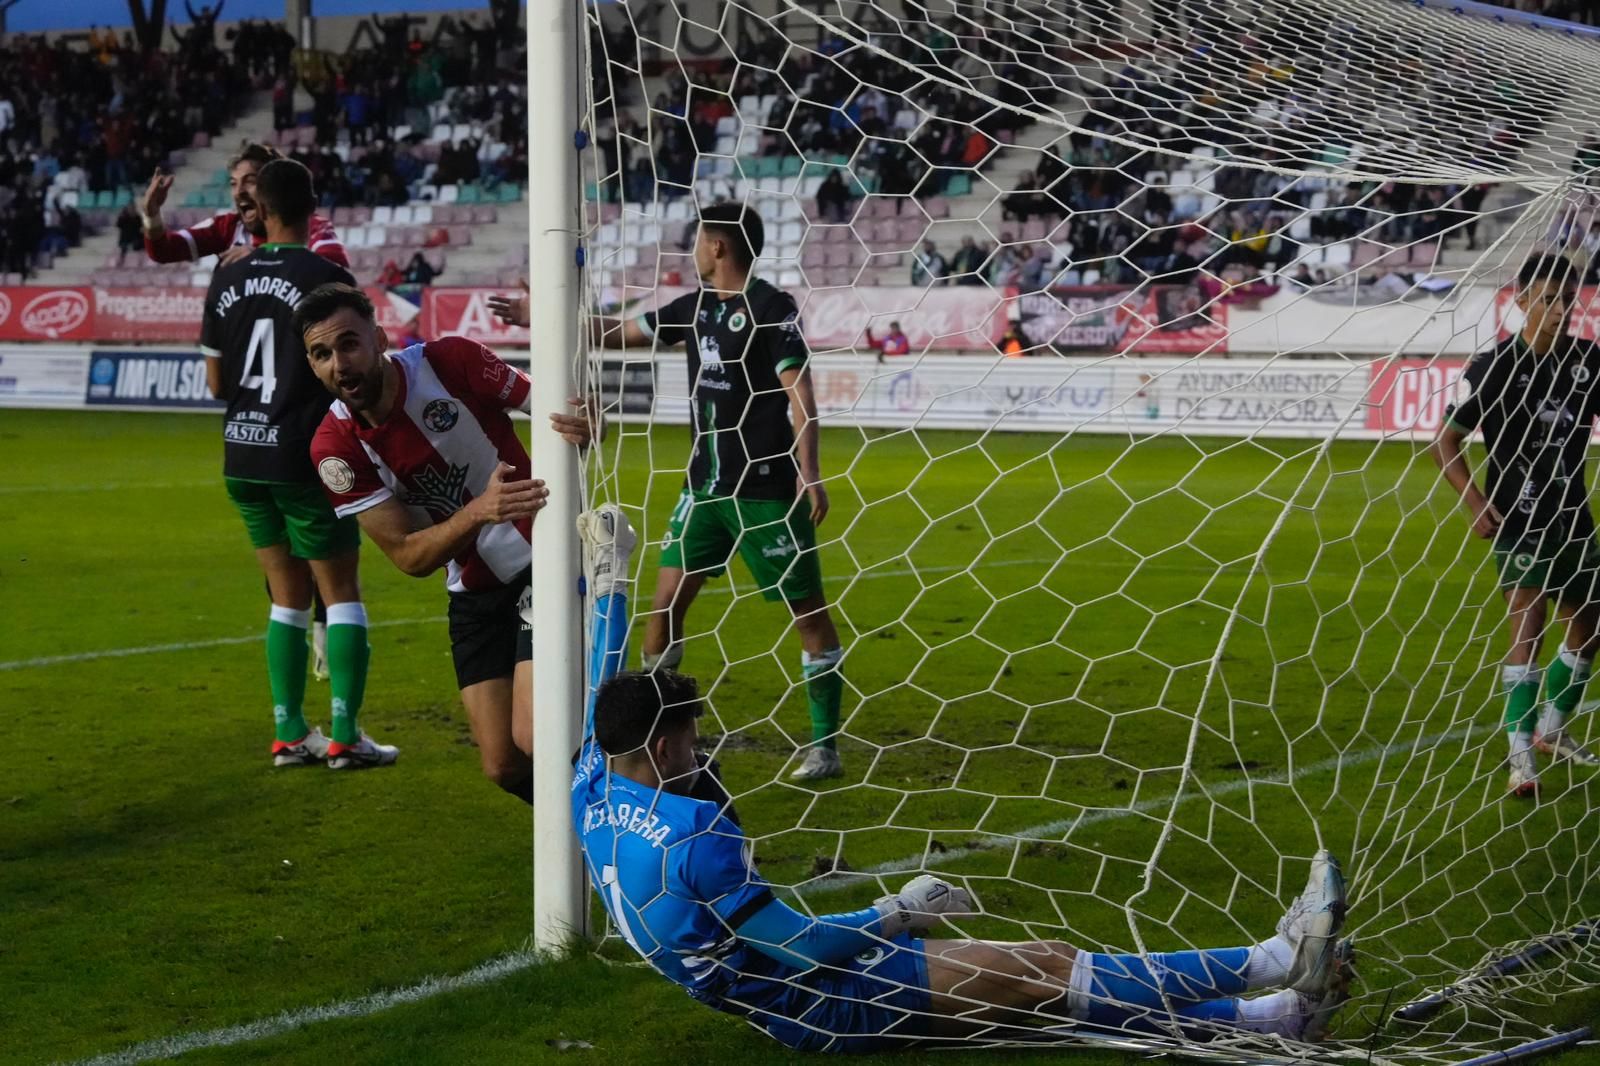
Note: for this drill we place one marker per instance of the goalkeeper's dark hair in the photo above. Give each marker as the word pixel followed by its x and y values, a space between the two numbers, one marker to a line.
pixel 1547 266
pixel 284 189
pixel 325 301
pixel 636 706
pixel 740 226
pixel 254 152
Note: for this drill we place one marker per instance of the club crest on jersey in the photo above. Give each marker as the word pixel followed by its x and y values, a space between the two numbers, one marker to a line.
pixel 1580 373
pixel 336 474
pixel 737 322
pixel 440 415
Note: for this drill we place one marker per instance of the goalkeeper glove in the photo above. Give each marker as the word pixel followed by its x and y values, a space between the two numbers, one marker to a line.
pixel 920 904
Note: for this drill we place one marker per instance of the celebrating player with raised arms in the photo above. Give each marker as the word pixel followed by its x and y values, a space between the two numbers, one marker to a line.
pixel 231 234
pixel 676 877
pixel 1536 396
pixel 255 361
pixel 420 448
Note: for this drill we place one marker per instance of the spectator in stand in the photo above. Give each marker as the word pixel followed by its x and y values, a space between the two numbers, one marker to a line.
pixel 927 266
pixel 419 271
pixel 966 266
pixel 1036 270
pixel 232 234
pixel 1004 268
pixel 1023 202
pixel 130 232
pixel 833 198
pixel 895 342
pixel 391 275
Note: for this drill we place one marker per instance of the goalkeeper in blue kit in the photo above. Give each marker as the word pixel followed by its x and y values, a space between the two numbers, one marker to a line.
pixel 676 876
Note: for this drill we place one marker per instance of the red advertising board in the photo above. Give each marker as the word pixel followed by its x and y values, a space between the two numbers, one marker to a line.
pixel 449 312
pixel 148 315
pixel 1410 395
pixel 38 313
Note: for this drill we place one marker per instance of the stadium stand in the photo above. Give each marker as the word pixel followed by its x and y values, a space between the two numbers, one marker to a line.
pixel 421 168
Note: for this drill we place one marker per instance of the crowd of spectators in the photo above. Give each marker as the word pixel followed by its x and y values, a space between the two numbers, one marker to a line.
pixel 76 118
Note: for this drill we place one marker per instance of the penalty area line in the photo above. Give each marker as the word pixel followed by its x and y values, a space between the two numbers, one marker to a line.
pixel 516 962
pixel 288 1021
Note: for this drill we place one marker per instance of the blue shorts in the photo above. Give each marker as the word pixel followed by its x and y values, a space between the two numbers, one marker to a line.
pixel 878 1001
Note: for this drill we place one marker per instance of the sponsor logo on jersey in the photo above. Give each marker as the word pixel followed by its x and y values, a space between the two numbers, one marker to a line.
pixel 710 352
pixel 525 606
pixel 440 415
pixel 55 313
pixel 737 322
pixel 440 494
pixel 336 474
pixel 252 433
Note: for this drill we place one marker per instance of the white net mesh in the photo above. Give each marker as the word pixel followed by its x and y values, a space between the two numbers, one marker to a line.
pixel 1130 630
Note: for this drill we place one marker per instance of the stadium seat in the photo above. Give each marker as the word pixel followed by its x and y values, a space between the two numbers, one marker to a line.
pixel 510 193
pixel 448 194
pixel 483 215
pixel 958 185
pixel 469 194
pixel 382 215
pixel 459 235
pixel 428 192
pixel 422 214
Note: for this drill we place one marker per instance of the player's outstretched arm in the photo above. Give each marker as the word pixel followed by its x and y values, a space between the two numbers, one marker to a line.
pixel 1449 454
pixel 419 552
pixel 603 332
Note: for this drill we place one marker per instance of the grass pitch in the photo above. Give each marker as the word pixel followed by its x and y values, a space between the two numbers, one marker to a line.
pixel 1124 688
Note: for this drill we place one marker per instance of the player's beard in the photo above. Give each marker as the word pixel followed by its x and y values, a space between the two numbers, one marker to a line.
pixel 253 224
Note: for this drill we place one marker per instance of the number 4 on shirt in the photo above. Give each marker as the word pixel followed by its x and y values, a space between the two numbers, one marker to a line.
pixel 262 348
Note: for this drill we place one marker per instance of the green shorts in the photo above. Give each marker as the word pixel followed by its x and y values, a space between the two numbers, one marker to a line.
pixel 775 538
pixel 298 515
pixel 1571 573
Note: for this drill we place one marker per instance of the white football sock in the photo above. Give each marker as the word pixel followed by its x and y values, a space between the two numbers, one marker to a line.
pixel 1269 964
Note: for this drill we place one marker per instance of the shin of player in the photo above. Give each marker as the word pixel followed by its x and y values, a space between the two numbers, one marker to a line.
pixel 1535 397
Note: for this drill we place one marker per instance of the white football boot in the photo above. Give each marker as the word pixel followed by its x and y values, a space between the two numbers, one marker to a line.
pixel 1318 1008
pixel 1312 924
pixel 820 763
pixel 313 747
pixel 1524 774
pixel 1563 746
pixel 361 755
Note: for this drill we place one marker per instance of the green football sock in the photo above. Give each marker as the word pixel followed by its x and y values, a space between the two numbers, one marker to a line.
pixel 286 671
pixel 1522 696
pixel 1564 681
pixel 348 655
pixel 824 693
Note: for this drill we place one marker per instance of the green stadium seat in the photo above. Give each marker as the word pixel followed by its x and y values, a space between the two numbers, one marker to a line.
pixel 219 177
pixel 470 194
pixel 105 198
pixel 591 192
pixel 124 197
pixel 509 193
pixel 791 166
pixel 958 185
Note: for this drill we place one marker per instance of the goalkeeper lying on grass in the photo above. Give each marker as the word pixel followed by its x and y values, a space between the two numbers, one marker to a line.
pixel 676 877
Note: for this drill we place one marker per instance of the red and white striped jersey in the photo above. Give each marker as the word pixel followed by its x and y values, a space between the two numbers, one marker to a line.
pixel 436 451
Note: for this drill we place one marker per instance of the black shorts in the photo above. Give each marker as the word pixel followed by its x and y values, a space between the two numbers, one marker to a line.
pixel 491 630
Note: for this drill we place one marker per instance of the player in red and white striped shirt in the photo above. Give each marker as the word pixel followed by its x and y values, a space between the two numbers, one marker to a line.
pixel 420 447
pixel 232 234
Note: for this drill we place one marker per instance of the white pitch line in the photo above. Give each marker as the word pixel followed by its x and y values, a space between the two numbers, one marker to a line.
pixel 288 1021
pixel 186 645
pixel 508 965
pixel 219 642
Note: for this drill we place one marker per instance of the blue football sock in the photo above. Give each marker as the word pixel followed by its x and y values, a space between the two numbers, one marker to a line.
pixel 1133 992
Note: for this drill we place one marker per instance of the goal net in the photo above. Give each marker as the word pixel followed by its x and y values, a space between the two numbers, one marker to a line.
pixel 1129 325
